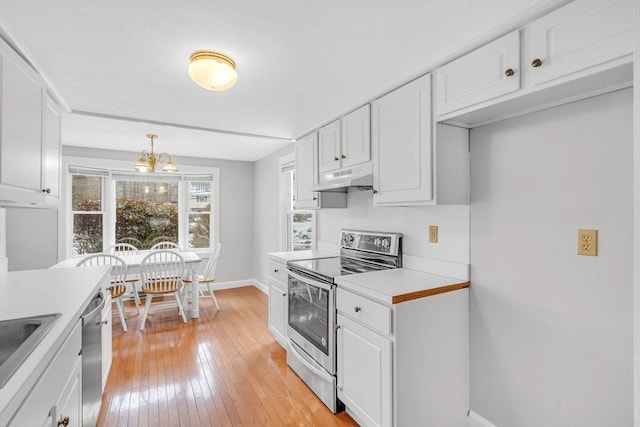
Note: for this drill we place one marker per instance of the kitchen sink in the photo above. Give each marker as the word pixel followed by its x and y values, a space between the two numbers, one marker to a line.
pixel 18 338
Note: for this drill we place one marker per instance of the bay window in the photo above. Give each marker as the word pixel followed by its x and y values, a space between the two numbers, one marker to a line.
pixel 142 209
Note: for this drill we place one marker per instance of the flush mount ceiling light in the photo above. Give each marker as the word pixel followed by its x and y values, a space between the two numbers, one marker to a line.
pixel 212 70
pixel 148 160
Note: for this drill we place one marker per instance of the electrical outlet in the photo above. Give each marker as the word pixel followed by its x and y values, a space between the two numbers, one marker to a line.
pixel 433 234
pixel 588 242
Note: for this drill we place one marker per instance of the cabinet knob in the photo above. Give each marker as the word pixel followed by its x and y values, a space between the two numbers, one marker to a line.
pixel 536 63
pixel 337 327
pixel 357 309
pixel 104 322
pixel 275 270
pixel 284 295
pixel 509 72
pixel 315 198
pixel 343 156
pixel 339 387
pixel 375 191
pixel 336 158
pixel 64 422
pixel 46 190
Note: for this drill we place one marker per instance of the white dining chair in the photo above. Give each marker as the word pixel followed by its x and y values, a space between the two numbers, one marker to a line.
pixel 208 275
pixel 161 273
pixel 118 286
pixel 132 241
pixel 165 245
pixel 122 249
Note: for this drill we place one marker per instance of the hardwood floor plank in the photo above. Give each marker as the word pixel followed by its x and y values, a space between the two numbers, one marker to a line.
pixel 223 370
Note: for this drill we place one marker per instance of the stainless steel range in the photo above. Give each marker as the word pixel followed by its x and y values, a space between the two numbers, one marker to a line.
pixel 312 305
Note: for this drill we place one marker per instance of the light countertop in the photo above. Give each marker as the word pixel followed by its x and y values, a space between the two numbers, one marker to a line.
pixel 394 286
pixel 300 255
pixel 36 292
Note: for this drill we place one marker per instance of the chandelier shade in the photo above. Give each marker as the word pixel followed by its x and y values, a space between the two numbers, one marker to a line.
pixel 148 160
pixel 212 70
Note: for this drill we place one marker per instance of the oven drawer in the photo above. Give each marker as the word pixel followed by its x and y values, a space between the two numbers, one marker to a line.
pixel 370 313
pixel 278 270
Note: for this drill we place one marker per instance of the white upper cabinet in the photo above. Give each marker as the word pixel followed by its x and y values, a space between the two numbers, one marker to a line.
pixel 329 147
pixel 307 177
pixel 345 142
pixel 29 136
pixel 356 137
pixel 51 150
pixel 306 172
pixel 581 49
pixel 401 140
pixel 21 133
pixel 579 36
pixel 486 73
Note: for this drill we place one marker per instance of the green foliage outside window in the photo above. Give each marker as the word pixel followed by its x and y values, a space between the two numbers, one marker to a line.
pixel 146 220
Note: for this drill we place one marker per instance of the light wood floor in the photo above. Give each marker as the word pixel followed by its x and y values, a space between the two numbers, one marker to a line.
pixel 224 369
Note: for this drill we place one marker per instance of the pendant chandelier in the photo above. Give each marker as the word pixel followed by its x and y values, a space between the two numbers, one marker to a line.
pixel 148 160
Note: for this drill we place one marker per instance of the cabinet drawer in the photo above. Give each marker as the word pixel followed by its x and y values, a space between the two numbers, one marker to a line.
pixel 278 270
pixel 370 313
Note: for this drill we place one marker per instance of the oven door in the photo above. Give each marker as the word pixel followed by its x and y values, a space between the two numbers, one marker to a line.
pixel 312 318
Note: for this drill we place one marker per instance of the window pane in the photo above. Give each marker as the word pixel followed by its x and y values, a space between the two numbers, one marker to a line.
pixel 199 230
pixel 302 225
pixel 87 233
pixel 86 193
pixel 147 211
pixel 199 196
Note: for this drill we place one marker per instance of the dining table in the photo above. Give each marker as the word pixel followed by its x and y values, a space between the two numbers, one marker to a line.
pixel 133 260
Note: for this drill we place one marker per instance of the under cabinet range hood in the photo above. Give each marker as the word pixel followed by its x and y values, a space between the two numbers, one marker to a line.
pixel 359 177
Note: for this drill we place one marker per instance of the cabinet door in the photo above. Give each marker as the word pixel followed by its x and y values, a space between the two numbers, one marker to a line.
pixel 51 149
pixel 486 73
pixel 306 172
pixel 401 141
pixel 21 136
pixel 69 405
pixel 356 137
pixel 277 311
pixel 578 36
pixel 329 147
pixel 364 372
pixel 107 344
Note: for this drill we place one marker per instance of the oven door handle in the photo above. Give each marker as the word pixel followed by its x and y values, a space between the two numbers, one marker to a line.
pixel 320 372
pixel 310 281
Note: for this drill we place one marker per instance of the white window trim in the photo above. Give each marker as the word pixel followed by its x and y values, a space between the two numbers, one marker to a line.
pixel 285 213
pixel 65 217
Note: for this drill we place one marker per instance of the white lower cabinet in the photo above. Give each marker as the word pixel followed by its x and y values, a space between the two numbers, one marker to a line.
pixel 404 364
pixel 278 300
pixel 364 366
pixel 56 396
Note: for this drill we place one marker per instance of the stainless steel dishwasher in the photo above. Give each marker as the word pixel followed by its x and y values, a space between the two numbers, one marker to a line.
pixel 92 361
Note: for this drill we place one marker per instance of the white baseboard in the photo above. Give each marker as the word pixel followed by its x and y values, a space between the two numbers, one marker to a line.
pixel 237 284
pixel 476 420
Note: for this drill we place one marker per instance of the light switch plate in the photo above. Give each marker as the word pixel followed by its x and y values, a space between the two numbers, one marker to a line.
pixel 433 234
pixel 588 242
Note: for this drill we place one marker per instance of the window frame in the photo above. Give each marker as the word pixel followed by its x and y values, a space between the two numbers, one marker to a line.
pixel 286 191
pixel 108 168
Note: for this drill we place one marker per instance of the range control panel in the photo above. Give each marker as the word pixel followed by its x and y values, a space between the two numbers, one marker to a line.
pixel 384 243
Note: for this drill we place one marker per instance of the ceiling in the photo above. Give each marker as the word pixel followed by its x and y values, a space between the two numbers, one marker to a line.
pixel 121 66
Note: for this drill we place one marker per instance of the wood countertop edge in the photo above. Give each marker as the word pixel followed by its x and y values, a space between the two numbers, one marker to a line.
pixel 429 292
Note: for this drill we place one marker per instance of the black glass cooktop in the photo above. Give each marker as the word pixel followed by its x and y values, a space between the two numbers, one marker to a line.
pixel 328 269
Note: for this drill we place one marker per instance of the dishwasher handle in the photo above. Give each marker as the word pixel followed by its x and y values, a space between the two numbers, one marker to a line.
pixel 94 308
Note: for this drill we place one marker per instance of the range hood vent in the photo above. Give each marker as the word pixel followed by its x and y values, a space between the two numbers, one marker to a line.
pixel 358 177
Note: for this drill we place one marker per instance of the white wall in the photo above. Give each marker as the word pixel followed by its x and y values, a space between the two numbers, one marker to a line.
pixel 551 331
pixel 236 204
pixel 266 219
pixel 412 222
pixel 32 238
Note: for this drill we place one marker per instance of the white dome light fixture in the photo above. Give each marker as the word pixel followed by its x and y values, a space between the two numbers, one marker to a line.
pixel 212 70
